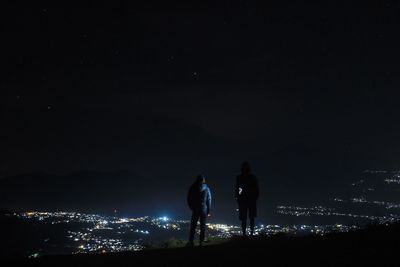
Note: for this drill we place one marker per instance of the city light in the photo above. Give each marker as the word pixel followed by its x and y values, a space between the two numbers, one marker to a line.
pixel 93 233
pixel 102 234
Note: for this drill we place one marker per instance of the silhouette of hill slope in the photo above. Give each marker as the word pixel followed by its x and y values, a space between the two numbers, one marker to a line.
pixel 376 245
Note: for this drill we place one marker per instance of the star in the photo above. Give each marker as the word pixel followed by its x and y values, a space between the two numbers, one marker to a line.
pixel 171 58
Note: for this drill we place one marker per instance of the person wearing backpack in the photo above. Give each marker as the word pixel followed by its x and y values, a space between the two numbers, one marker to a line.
pixel 246 192
pixel 199 201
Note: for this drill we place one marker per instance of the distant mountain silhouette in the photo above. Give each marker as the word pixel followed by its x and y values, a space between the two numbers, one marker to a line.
pixel 86 190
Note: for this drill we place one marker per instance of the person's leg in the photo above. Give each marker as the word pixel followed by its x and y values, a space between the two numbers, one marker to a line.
pixel 193 224
pixel 252 215
pixel 244 226
pixel 252 225
pixel 202 228
pixel 243 217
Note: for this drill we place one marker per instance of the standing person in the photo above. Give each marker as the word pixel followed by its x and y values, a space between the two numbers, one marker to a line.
pixel 247 192
pixel 199 201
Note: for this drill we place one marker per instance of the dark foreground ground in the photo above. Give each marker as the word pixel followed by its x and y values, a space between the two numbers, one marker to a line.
pixel 377 245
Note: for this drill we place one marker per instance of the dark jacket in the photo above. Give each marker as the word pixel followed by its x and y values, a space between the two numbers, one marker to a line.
pixel 246 188
pixel 199 198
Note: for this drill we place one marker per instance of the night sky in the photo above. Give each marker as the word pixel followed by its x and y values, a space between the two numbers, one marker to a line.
pixel 147 97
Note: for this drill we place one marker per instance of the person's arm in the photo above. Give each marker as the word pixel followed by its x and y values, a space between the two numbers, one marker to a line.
pixel 237 189
pixel 208 201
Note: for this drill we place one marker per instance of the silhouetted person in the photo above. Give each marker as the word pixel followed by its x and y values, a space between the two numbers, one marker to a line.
pixel 247 195
pixel 199 201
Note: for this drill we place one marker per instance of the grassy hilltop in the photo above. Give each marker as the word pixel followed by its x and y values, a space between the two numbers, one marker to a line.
pixel 376 245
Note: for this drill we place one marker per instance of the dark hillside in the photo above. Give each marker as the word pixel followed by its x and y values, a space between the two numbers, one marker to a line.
pixel 376 245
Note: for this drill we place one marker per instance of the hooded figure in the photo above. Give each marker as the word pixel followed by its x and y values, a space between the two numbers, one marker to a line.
pixel 247 192
pixel 199 201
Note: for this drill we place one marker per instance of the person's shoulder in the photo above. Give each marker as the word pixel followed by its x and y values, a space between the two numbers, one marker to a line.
pixel 204 187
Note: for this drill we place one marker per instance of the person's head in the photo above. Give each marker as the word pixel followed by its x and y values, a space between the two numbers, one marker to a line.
pixel 245 167
pixel 201 179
